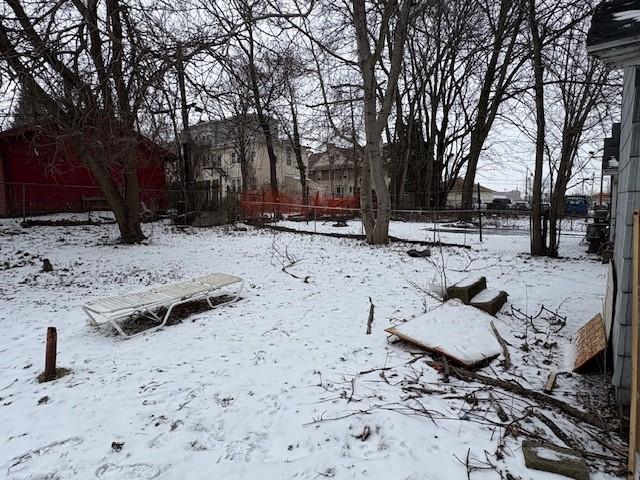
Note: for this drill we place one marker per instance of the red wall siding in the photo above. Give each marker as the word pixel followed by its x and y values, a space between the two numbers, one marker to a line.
pixel 50 181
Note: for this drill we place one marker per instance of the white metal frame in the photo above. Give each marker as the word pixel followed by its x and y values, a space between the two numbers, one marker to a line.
pixel 97 318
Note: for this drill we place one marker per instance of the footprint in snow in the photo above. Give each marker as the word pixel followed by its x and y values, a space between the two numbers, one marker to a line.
pixel 133 471
pixel 61 448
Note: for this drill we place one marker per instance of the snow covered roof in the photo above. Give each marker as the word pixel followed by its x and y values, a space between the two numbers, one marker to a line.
pixel 614 35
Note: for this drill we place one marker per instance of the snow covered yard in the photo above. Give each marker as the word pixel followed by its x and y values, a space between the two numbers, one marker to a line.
pixel 283 384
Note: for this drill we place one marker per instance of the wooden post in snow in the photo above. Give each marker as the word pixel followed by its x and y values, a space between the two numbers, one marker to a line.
pixel 50 355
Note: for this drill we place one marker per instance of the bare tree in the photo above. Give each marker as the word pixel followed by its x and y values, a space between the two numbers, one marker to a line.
pixel 388 30
pixel 442 56
pixel 93 67
pixel 537 240
pixel 501 63
pixel 90 67
pixel 293 72
pixel 576 83
pixel 250 39
pixel 580 85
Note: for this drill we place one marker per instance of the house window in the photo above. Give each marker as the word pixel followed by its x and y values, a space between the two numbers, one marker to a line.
pixel 339 190
pixel 318 175
pixel 216 162
pixel 233 157
pixel 288 156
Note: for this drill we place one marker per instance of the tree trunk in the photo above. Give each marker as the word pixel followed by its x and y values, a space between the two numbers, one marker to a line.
pixel 297 148
pixel 377 227
pixel 537 239
pixel 377 230
pixel 477 140
pixel 366 201
pixel 380 233
pixel 126 206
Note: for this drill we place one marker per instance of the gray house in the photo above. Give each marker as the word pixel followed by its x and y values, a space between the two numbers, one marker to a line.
pixel 614 37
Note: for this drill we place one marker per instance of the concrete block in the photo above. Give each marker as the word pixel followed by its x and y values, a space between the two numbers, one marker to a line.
pixel 550 458
pixel 490 301
pixel 466 289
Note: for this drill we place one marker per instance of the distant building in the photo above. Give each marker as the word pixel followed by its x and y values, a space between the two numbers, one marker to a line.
pixel 222 147
pixel 454 197
pixel 336 171
pixel 513 195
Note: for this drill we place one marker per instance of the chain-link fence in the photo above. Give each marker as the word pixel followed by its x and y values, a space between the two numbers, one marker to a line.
pixel 203 205
pixel 507 231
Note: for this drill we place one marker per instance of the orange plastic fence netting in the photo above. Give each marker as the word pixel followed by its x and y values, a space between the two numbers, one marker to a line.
pixel 267 203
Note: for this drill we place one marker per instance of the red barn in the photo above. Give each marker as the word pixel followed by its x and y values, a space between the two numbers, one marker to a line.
pixel 38 177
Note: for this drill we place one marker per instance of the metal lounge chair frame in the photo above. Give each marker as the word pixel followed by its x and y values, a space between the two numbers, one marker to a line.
pixel 145 303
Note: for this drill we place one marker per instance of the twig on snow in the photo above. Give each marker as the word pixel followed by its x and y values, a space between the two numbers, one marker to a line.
pixel 503 344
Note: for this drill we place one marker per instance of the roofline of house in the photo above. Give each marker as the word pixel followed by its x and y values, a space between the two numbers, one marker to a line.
pixel 621 52
pixel 23 130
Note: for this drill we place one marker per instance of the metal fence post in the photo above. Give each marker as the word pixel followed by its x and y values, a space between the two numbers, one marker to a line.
pixel 480 212
pixel 24 202
pixel 315 212
pixel 435 225
pixel 530 233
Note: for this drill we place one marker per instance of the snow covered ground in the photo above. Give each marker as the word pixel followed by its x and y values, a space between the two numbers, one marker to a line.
pixel 283 384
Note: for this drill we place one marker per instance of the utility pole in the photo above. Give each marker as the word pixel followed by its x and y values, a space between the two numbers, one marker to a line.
pixel 186 134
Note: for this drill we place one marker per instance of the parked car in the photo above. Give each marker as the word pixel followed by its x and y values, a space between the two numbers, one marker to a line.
pixel 522 206
pixel 499 204
pixel 576 205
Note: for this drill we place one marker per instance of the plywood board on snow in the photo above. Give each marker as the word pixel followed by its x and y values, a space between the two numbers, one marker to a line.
pixel 458 331
pixel 590 340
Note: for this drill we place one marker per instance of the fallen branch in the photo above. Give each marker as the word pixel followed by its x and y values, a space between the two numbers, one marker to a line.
pixel 354 236
pixel 503 345
pixel 502 415
pixel 370 321
pixel 364 372
pixel 286 260
pixel 445 369
pixel 568 441
pixel 516 388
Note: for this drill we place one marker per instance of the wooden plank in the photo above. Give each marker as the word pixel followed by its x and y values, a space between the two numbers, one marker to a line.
pixel 551 382
pixel 635 371
pixel 590 341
